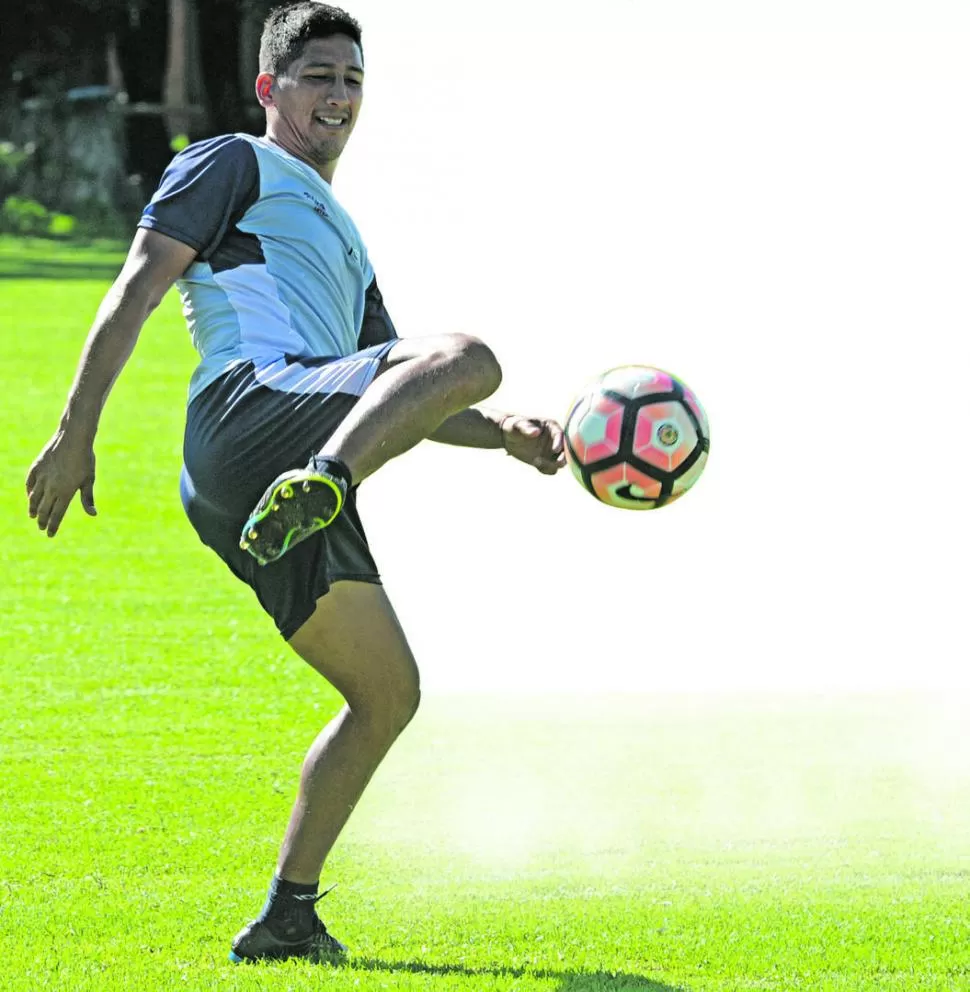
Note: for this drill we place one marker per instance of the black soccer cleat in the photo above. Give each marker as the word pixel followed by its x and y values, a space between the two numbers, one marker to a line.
pixel 256 942
pixel 296 505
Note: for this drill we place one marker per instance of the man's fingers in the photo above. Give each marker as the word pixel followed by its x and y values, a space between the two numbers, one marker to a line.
pixel 555 432
pixel 552 440
pixel 549 464
pixel 56 516
pixel 87 498
pixel 545 450
pixel 34 497
pixel 31 479
pixel 553 448
pixel 44 508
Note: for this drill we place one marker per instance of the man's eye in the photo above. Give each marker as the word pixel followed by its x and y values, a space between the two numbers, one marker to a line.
pixel 329 77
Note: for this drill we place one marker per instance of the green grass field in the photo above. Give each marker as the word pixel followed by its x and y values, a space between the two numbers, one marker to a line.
pixel 153 725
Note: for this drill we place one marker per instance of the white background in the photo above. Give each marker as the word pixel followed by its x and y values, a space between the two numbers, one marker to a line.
pixel 770 200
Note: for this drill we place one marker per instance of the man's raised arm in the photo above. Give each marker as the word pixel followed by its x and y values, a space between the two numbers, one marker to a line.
pixel 66 463
pixel 537 441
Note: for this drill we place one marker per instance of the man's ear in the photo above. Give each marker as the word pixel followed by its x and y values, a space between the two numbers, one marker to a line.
pixel 264 89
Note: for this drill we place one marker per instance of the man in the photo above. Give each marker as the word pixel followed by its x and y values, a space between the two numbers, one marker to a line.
pixel 303 390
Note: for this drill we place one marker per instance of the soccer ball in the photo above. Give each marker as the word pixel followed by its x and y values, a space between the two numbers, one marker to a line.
pixel 637 438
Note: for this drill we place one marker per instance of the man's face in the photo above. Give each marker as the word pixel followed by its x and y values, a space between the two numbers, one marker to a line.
pixel 315 101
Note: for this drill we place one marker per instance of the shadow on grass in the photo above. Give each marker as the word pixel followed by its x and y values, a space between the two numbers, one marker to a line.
pixel 12 267
pixel 569 981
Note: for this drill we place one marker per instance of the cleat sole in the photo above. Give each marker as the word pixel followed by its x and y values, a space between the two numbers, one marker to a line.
pixel 275 527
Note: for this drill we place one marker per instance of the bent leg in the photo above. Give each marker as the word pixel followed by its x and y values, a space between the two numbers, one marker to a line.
pixel 354 640
pixel 420 384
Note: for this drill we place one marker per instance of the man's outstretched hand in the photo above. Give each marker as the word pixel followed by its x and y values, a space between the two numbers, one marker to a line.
pixel 60 470
pixel 537 441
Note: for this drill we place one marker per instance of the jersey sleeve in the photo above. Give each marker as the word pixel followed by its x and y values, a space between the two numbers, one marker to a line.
pixel 376 327
pixel 204 191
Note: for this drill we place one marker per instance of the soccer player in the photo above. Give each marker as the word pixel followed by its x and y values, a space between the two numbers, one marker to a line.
pixel 303 390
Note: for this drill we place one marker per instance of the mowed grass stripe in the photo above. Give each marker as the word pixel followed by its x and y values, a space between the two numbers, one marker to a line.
pixel 153 727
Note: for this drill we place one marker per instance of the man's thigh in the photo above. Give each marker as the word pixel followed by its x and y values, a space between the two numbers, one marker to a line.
pixel 411 348
pixel 355 641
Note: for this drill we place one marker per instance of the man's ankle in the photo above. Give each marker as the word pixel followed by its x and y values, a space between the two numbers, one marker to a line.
pixel 333 466
pixel 288 911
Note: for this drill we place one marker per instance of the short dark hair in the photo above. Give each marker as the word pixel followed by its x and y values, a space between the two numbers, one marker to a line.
pixel 288 28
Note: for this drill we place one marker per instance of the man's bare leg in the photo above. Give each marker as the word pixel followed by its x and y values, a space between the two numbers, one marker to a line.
pixel 354 640
pixel 421 383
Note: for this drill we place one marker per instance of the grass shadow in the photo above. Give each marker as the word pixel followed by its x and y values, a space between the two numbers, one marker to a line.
pixel 12 267
pixel 569 981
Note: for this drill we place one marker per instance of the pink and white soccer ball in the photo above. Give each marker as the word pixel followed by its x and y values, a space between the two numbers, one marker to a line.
pixel 637 438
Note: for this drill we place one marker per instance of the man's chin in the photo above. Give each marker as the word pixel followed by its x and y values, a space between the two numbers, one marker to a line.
pixel 313 149
pixel 324 150
pixel 329 151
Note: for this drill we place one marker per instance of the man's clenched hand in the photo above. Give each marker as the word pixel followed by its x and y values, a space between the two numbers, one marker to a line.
pixel 62 468
pixel 537 441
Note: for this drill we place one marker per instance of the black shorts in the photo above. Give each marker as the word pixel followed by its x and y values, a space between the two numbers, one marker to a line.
pixel 245 429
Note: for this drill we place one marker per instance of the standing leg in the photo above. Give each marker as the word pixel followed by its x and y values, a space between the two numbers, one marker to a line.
pixel 354 640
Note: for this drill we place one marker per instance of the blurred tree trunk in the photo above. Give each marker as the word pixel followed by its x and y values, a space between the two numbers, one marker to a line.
pixel 178 122
pixel 141 31
pixel 220 26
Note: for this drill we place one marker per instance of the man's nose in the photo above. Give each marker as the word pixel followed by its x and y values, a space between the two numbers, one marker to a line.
pixel 338 94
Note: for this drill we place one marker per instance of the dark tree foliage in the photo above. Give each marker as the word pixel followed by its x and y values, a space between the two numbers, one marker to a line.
pixel 49 45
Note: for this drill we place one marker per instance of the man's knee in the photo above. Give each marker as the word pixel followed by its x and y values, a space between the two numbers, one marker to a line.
pixel 402 705
pixel 464 359
pixel 411 707
pixel 387 714
pixel 478 362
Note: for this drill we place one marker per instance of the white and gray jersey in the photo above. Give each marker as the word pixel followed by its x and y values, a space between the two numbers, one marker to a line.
pixel 281 279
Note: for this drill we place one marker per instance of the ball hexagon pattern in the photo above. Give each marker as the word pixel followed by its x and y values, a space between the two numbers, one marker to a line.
pixel 597 428
pixel 637 438
pixel 664 435
pixel 624 486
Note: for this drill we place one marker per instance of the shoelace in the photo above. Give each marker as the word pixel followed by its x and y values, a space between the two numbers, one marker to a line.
pixel 325 892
